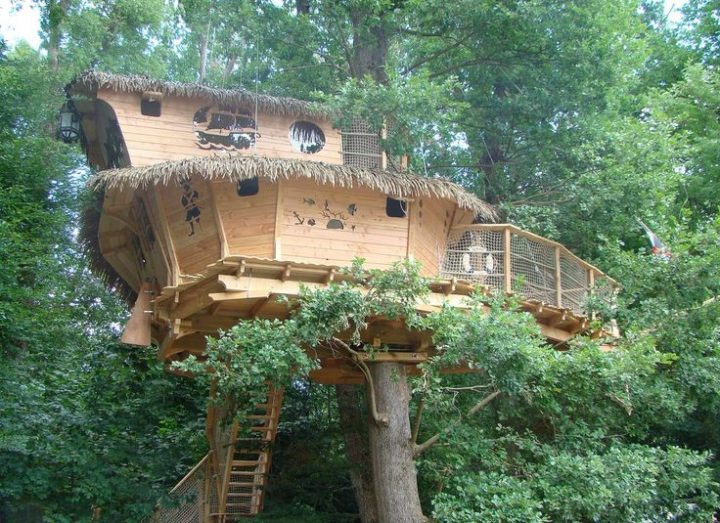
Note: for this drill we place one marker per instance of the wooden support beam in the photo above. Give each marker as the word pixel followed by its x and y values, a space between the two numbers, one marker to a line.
pixel 558 278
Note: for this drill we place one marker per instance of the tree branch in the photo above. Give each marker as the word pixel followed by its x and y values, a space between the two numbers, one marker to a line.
pixel 419 449
pixel 380 419
pixel 418 417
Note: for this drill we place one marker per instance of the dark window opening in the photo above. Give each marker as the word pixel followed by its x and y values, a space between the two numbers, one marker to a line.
pixel 248 187
pixel 150 107
pixel 306 137
pixel 396 208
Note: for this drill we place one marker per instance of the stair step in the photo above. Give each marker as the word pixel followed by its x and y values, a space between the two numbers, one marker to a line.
pixel 246 462
pixel 247 473
pixel 236 484
pixel 244 494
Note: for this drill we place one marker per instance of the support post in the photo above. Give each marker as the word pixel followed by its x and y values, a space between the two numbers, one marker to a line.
pixel 558 278
pixel 507 262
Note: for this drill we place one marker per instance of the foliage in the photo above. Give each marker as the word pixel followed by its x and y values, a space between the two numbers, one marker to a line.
pixel 577 118
pixel 240 363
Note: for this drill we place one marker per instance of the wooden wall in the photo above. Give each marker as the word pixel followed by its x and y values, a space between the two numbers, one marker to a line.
pixel 189 212
pixel 430 221
pixel 170 136
pixel 248 221
pixel 328 225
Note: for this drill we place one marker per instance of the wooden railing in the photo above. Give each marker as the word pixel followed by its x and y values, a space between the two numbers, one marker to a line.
pixel 508 259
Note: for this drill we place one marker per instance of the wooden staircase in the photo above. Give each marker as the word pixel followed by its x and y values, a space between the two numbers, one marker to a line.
pixel 243 465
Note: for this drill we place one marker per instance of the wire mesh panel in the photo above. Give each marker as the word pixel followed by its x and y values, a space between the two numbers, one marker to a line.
pixel 604 289
pixel 185 504
pixel 533 269
pixel 539 269
pixel 574 284
pixel 361 146
pixel 475 256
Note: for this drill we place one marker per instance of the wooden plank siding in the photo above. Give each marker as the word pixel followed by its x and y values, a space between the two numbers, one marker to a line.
pixel 198 246
pixel 248 221
pixel 367 231
pixel 170 136
pixel 430 223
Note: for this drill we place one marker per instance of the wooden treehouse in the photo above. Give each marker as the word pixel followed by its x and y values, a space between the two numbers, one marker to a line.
pixel 210 204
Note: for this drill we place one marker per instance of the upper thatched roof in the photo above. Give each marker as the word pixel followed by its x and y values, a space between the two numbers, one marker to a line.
pixel 90 81
pixel 235 167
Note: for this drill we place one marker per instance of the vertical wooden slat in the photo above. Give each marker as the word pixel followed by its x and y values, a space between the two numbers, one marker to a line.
pixel 558 278
pixel 591 286
pixel 507 265
pixel 277 247
pixel 165 227
pixel 224 247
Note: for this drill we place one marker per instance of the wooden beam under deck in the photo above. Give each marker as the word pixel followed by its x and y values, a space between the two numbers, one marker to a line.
pixel 238 288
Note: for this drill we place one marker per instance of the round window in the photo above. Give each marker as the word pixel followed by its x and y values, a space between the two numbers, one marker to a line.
pixel 306 137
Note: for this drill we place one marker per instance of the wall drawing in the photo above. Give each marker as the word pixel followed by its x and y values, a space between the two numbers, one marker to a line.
pixel 224 127
pixel 189 202
pixel 327 214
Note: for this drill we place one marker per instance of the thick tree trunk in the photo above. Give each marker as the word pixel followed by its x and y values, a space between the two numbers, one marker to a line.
pixel 354 427
pixel 391 447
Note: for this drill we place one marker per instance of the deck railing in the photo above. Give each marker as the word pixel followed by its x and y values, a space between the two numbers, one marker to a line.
pixel 506 258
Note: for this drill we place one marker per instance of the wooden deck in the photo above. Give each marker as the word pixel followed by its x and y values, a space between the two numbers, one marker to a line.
pixel 238 288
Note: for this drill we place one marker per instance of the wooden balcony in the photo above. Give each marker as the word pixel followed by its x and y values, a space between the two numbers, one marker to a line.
pixel 505 258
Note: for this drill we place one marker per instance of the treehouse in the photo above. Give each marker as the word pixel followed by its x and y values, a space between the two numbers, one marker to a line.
pixel 210 204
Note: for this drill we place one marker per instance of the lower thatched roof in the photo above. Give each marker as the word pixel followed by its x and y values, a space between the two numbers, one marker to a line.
pixel 90 242
pixel 235 167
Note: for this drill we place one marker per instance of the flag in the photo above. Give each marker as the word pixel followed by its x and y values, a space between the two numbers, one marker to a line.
pixel 658 247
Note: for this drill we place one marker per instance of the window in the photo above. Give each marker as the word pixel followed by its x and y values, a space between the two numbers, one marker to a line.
pixel 396 208
pixel 149 107
pixel 306 137
pixel 248 187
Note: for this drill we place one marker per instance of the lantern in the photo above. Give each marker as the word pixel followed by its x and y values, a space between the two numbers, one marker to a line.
pixel 69 125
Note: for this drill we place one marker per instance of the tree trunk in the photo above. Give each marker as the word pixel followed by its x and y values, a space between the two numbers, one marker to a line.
pixel 354 427
pixel 370 45
pixel 55 13
pixel 391 447
pixel 204 44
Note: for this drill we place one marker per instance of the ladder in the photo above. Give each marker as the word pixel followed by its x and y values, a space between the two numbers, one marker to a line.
pixel 248 460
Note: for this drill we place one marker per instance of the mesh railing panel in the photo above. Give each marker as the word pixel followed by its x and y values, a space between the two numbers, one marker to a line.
pixel 476 254
pixel 185 504
pixel 574 284
pixel 533 269
pixel 361 146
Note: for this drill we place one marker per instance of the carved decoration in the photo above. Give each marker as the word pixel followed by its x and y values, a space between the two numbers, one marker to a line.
pixel 326 214
pixel 189 201
pixel 222 127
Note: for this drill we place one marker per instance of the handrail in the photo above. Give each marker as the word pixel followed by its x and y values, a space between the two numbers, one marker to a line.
pixel 500 256
pixel 191 473
pixel 499 227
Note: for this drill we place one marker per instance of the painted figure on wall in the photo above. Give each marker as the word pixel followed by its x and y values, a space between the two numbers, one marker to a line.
pixel 192 209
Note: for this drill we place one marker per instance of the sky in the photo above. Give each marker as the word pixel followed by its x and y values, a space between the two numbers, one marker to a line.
pixel 23 22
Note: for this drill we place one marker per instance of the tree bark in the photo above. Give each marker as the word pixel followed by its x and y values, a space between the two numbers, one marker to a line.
pixel 55 13
pixel 204 44
pixel 391 447
pixel 354 427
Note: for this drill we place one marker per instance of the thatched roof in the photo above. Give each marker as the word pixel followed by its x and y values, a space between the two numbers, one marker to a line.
pixel 235 167
pixel 90 81
pixel 90 242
